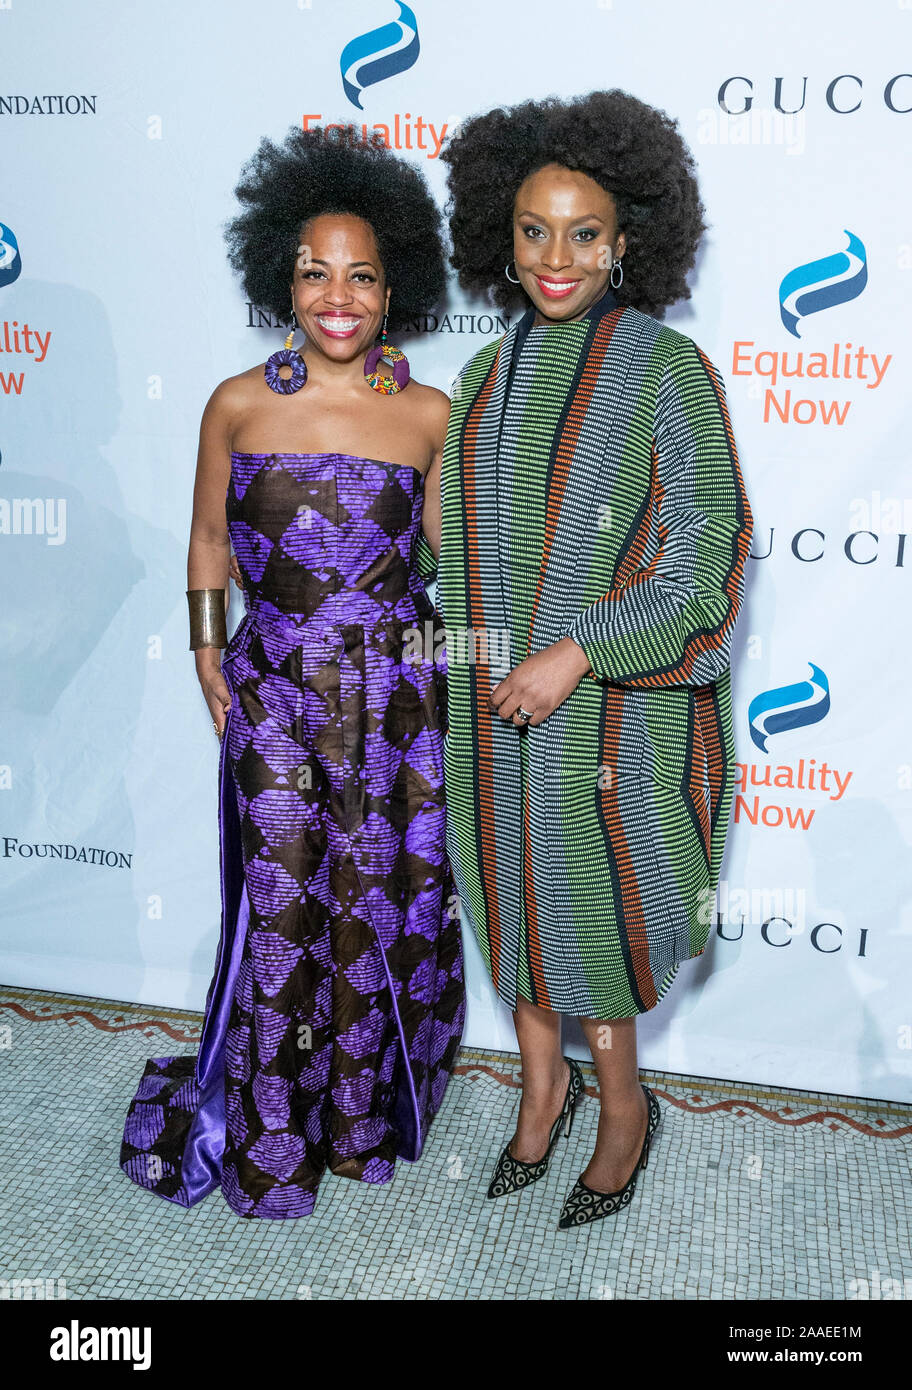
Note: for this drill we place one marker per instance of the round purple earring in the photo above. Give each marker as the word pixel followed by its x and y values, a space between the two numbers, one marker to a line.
pixel 380 381
pixel 285 386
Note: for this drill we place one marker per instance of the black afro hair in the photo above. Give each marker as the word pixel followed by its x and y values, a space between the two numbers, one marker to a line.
pixel 631 149
pixel 333 170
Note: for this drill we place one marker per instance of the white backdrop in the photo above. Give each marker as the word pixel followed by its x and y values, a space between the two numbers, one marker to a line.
pixel 123 128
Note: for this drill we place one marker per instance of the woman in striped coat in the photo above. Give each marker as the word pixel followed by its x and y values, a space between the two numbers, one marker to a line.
pixel 594 532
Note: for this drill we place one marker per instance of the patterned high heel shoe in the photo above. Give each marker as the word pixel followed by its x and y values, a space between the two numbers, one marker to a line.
pixel 511 1173
pixel 585 1204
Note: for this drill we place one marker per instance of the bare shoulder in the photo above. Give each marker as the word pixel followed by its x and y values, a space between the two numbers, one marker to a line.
pixel 233 395
pixel 434 405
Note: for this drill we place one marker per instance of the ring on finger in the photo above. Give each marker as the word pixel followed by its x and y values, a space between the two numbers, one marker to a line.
pixel 524 714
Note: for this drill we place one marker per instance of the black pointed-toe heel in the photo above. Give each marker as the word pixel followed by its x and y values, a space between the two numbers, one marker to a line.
pixel 511 1173
pixel 585 1204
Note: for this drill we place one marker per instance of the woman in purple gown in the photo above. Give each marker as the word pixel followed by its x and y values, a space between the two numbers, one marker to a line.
pixel 336 1008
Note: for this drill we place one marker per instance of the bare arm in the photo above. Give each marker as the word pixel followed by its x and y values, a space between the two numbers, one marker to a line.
pixel 210 547
pixel 207 559
pixel 427 550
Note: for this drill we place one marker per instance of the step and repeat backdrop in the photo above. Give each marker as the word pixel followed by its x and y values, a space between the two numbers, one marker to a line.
pixel 123 128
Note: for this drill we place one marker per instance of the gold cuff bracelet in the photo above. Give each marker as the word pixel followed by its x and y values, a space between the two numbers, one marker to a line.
pixel 207 618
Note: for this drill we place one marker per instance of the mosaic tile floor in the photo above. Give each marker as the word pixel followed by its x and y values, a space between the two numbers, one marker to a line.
pixel 749 1193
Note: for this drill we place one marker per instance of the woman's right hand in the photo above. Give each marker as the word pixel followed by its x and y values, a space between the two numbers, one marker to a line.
pixel 218 696
pixel 234 571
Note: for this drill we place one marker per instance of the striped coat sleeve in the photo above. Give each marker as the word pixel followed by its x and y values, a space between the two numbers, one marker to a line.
pixel 670 621
pixel 424 559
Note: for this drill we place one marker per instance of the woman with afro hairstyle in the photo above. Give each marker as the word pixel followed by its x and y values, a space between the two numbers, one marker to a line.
pixel 594 517
pixel 336 1008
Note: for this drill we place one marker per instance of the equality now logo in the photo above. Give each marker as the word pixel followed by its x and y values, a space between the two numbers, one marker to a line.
pixel 17 341
pixel 770 713
pixel 374 57
pixel 379 54
pixel 789 707
pixel 10 259
pixel 822 284
pixel 790 377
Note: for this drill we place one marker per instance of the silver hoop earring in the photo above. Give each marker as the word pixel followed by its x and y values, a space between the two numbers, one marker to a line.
pixel 509 276
pixel 616 266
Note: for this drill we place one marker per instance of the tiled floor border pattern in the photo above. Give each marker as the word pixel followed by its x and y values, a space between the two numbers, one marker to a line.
pixel 699 1095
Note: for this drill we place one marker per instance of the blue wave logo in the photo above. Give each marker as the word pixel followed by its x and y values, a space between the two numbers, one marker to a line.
pixel 379 54
pixel 821 284
pixel 10 260
pixel 789 707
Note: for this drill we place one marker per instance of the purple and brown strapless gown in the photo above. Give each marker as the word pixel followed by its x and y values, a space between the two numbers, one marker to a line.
pixel 337 1004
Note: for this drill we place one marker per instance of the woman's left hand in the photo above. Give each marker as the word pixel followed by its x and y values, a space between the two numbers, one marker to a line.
pixel 541 682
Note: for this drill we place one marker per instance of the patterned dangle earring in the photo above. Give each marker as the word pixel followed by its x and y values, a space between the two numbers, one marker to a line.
pixel 386 385
pixel 285 386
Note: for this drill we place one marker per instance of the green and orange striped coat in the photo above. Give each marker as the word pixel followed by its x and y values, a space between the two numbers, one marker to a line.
pixel 591 488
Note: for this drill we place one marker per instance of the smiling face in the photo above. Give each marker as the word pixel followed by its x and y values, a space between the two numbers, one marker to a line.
pixel 339 288
pixel 565 238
